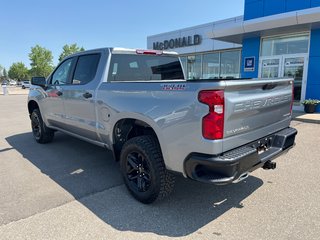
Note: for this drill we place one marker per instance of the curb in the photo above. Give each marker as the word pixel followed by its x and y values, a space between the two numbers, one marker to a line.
pixel 307 118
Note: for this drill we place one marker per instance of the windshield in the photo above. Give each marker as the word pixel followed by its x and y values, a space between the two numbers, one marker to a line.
pixel 129 67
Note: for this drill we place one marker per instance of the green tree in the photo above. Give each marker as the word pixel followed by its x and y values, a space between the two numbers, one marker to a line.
pixel 41 61
pixel 18 71
pixel 69 49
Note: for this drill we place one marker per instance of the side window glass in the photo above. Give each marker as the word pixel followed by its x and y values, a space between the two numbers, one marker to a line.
pixel 61 75
pixel 86 69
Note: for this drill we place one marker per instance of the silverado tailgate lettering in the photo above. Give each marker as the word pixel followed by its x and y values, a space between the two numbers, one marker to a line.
pixel 261 103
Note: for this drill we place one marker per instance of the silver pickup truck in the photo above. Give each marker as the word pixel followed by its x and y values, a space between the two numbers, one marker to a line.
pixel 138 104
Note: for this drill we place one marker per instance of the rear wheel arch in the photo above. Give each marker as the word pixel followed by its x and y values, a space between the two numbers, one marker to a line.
pixel 128 128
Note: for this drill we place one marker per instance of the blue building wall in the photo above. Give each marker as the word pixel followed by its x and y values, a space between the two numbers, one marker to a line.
pixel 313 84
pixel 250 48
pixel 261 8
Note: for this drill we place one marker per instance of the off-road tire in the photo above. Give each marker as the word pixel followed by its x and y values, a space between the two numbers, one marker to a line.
pixel 161 181
pixel 42 134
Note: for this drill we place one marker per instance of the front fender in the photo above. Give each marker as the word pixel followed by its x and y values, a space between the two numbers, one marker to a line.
pixel 37 94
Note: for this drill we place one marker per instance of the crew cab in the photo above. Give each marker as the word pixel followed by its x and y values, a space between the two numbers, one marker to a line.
pixel 138 104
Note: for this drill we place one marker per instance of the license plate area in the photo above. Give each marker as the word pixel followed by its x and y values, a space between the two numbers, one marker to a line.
pixel 263 145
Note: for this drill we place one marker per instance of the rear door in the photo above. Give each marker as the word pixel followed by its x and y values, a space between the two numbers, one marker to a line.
pixel 79 97
pixel 253 105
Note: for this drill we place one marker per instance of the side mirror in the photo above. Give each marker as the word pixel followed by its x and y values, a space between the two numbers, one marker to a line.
pixel 39 81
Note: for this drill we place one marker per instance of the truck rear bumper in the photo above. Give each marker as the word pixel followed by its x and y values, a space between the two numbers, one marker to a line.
pixel 232 165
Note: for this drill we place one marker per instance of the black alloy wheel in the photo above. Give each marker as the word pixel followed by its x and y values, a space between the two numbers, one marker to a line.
pixel 144 171
pixel 138 171
pixel 41 133
pixel 35 125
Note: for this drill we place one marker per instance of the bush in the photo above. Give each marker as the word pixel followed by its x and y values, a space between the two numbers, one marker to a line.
pixel 311 102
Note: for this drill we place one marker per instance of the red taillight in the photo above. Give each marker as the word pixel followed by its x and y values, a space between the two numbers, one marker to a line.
pixel 149 52
pixel 213 122
pixel 292 98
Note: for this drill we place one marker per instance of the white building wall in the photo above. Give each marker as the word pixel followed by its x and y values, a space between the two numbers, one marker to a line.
pixel 205 31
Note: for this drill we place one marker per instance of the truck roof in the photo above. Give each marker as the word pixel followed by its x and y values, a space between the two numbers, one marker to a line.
pixel 119 50
pixel 141 51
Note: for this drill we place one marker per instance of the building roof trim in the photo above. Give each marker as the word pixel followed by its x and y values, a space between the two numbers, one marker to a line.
pixel 235 32
pixel 211 24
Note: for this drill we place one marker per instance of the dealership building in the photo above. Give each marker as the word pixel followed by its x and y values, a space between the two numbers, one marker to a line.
pixel 274 38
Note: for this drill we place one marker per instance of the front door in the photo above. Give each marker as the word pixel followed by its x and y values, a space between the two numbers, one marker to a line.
pixel 79 97
pixel 293 66
pixel 53 106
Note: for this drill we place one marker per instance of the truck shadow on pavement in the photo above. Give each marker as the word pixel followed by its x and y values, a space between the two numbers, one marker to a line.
pixel 91 175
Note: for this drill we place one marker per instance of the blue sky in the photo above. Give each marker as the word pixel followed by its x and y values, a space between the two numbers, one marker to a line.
pixel 98 23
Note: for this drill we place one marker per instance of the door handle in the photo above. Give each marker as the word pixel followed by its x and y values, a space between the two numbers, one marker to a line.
pixel 59 93
pixel 269 86
pixel 87 95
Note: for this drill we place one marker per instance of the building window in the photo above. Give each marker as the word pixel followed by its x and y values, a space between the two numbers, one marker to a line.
pixel 285 45
pixel 184 63
pixel 230 64
pixel 194 67
pixel 211 66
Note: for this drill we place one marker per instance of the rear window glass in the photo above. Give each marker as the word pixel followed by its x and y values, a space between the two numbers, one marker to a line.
pixel 86 69
pixel 128 67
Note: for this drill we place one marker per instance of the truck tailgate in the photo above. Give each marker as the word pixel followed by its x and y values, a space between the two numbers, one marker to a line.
pixel 256 104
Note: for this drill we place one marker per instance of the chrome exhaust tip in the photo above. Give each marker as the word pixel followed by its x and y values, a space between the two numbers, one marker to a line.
pixel 242 177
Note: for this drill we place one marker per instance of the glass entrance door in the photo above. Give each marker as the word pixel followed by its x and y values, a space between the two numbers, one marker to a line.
pixel 293 66
pixel 270 68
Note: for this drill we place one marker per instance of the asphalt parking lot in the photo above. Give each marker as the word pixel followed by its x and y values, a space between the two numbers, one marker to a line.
pixel 69 189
